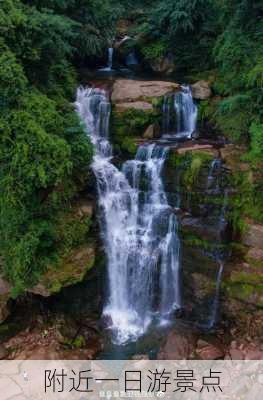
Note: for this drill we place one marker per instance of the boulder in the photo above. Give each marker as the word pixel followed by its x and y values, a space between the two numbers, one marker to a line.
pixel 209 351
pixel 178 345
pixel 125 90
pixel 152 132
pixel 201 90
pixel 135 105
pixel 253 236
pixel 5 289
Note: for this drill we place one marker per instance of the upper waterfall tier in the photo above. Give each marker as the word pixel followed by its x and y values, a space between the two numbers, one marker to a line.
pixel 179 114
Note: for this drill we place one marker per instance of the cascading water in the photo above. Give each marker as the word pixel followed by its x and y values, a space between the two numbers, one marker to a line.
pixel 215 305
pixel 110 57
pixel 110 60
pixel 138 226
pixel 179 114
pixel 212 177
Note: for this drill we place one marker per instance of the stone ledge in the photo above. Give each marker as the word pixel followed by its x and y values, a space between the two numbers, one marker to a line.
pixel 125 90
pixel 135 105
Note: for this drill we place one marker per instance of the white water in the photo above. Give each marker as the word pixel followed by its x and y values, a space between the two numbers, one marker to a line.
pixel 215 305
pixel 215 164
pixel 138 226
pixel 179 114
pixel 110 60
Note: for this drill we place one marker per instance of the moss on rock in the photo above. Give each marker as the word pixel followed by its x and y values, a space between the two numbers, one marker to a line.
pixel 186 176
pixel 129 125
pixel 69 271
pixel 76 250
pixel 244 282
pixel 191 162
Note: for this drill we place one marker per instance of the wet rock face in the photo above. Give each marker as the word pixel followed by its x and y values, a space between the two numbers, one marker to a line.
pixel 198 282
pixel 178 345
pixel 195 181
pixel 199 188
pixel 204 228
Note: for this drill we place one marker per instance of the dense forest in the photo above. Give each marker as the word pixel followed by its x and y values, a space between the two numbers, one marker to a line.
pixel 45 152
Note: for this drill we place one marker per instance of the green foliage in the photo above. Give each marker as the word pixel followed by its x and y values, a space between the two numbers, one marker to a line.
pixel 79 342
pixel 36 165
pixel 238 53
pixel 255 155
pixel 12 80
pixel 247 201
pixel 191 164
pixel 233 116
pixel 71 231
pixel 128 125
pixel 181 15
pixel 154 50
pixel 44 150
pixel 254 76
pixel 185 29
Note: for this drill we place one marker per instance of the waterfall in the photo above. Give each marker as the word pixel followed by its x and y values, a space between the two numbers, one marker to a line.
pixel 138 226
pixel 110 57
pixel 110 60
pixel 214 167
pixel 215 305
pixel 179 114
